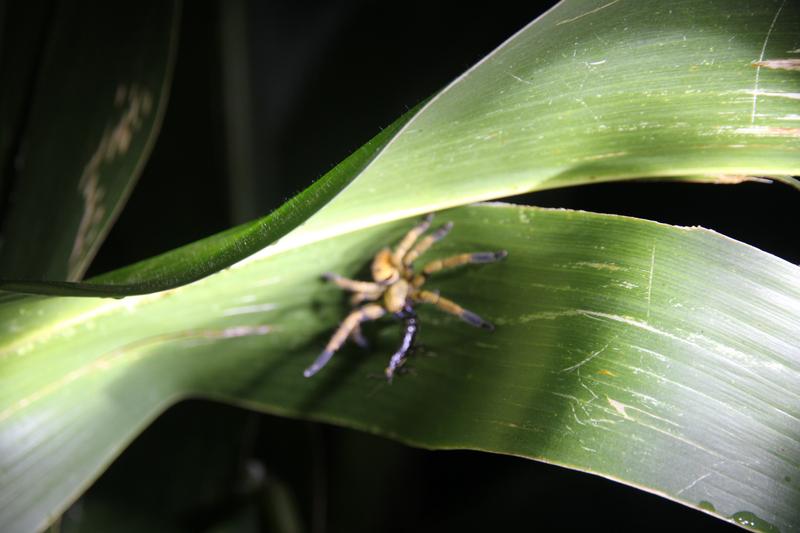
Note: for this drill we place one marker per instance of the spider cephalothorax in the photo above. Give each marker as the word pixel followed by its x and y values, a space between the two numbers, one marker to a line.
pixel 396 288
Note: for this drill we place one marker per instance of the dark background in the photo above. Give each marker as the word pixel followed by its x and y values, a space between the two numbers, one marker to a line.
pixel 273 94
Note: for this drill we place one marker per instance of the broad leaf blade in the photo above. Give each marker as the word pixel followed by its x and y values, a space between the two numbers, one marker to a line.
pixel 599 91
pixel 598 316
pixel 591 91
pixel 95 114
pixel 663 357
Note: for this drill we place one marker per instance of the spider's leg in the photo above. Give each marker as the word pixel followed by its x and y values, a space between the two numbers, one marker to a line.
pixel 410 238
pixel 351 284
pixel 411 329
pixel 359 298
pixel 358 337
pixel 362 314
pixel 449 306
pixel 463 259
pixel 422 246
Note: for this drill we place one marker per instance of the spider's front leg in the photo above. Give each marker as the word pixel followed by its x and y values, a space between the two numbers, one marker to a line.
pixel 362 314
pixel 409 239
pixel 423 245
pixel 409 317
pixel 352 285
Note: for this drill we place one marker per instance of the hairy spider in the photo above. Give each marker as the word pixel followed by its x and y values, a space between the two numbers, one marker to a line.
pixel 396 289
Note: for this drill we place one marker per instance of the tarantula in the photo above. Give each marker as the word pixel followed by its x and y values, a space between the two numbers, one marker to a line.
pixel 396 288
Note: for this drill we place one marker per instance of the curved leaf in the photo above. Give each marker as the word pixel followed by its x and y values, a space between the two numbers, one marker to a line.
pixel 84 148
pixel 591 91
pixel 204 257
pixel 598 91
pixel 662 357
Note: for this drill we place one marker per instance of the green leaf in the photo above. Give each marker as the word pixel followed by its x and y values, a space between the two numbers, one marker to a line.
pixel 84 147
pixel 598 91
pixel 662 357
pixel 202 258
pixel 591 91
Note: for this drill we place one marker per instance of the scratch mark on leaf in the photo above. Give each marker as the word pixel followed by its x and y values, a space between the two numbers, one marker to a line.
pixel 528 82
pixel 779 64
pixel 792 96
pixel 589 109
pixel 650 279
pixel 586 406
pixel 619 407
pixel 591 392
pixel 742 360
pixel 575 415
pixel 595 10
pixel 598 266
pixel 591 356
pixel 233 332
pixel 693 483
pixel 246 309
pixel 648 414
pixel 769 131
pixel 604 156
pixel 594 422
pixel 685 440
pixel 652 353
pixel 761 59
